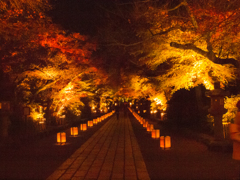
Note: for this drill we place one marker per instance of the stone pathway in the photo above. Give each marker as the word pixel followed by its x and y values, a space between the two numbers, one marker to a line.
pixel 111 153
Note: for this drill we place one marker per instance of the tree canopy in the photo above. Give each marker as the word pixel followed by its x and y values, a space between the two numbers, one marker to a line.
pixel 143 48
pixel 43 62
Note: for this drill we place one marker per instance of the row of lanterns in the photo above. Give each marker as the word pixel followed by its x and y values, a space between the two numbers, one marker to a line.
pixel 61 136
pixel 165 141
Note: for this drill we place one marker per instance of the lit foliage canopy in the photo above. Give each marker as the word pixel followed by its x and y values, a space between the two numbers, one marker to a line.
pixel 230 105
pixel 137 87
pixel 198 40
pixel 42 60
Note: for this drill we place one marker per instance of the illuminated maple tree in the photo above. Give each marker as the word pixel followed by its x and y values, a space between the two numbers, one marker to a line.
pixel 198 40
pixel 61 80
pixel 45 63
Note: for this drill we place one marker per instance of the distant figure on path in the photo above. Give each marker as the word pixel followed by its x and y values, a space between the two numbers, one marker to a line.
pixel 235 136
pixel 117 111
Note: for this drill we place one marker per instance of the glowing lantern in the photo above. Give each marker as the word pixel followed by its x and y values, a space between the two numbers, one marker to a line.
pixel 74 131
pixel 83 127
pixel 149 127
pixel 145 124
pixel 157 133
pixel 61 138
pixel 90 123
pixel 153 133
pixel 167 142
pixel 162 142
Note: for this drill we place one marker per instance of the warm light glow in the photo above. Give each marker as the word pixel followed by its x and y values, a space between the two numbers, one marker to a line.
pixel 162 142
pixel 145 124
pixel 230 105
pixel 74 131
pixel 157 133
pixel 36 113
pixel 83 127
pixel 158 101
pixel 153 133
pixel 167 142
pixel 90 123
pixel 149 127
pixel 61 138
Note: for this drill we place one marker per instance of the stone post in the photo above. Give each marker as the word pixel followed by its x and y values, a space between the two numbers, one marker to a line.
pixel 217 109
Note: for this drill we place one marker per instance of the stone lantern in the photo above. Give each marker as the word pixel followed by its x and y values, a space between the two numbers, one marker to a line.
pixel 217 109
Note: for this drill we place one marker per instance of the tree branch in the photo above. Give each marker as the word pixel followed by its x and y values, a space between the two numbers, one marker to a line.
pixel 190 47
pixel 190 14
pixel 210 55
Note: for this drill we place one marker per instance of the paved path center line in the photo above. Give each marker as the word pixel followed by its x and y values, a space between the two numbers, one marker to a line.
pixel 110 153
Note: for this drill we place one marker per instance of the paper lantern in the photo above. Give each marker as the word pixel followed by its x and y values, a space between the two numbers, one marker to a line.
pixel 83 127
pixel 153 133
pixel 145 124
pixel 90 123
pixel 149 127
pixel 61 138
pixel 74 131
pixel 167 142
pixel 157 133
pixel 162 142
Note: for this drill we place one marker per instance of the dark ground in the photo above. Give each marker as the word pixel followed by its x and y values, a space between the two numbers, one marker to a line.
pixel 187 158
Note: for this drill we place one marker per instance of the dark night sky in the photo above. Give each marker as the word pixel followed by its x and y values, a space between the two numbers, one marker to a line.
pixel 78 15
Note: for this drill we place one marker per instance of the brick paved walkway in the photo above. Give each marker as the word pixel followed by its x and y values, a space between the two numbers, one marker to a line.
pixel 111 153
